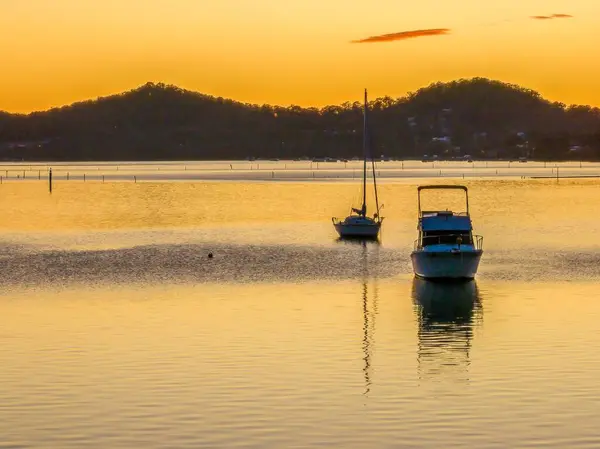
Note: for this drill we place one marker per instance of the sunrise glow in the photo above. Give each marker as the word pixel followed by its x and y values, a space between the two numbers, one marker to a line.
pixel 301 52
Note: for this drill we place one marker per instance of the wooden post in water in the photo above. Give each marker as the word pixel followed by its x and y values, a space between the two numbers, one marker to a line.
pixel 135 179
pixel 102 179
pixel 50 180
pixel 84 177
pixel 67 176
pixel 39 174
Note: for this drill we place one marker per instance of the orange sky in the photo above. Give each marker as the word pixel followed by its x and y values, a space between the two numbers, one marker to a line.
pixel 55 52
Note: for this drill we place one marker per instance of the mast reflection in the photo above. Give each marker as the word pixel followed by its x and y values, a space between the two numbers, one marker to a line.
pixel 447 315
pixel 369 312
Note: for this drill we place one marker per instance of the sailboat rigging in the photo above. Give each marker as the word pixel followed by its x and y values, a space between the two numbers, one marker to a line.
pixel 358 224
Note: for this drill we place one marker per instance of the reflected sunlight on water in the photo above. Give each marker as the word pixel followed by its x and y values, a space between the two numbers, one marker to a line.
pixel 116 330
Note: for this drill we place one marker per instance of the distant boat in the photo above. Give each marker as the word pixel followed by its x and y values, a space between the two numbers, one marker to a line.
pixel 446 247
pixel 358 224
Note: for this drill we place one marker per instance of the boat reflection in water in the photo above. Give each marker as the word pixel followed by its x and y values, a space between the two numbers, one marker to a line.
pixel 367 254
pixel 359 241
pixel 369 290
pixel 369 312
pixel 447 315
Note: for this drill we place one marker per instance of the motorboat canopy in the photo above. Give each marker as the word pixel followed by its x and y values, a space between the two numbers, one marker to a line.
pixel 441 187
pixel 444 227
pixel 445 221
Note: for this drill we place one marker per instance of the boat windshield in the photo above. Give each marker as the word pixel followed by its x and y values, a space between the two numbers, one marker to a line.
pixel 446 238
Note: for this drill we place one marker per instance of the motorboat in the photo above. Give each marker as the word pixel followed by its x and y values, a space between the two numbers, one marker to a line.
pixel 358 224
pixel 446 248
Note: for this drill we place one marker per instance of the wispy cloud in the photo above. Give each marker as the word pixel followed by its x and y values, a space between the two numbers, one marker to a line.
pixel 553 16
pixel 402 35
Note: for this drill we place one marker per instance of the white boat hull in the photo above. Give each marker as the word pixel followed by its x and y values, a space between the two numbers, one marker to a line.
pixel 357 230
pixel 449 265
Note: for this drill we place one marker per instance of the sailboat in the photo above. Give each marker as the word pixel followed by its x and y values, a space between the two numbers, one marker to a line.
pixel 358 224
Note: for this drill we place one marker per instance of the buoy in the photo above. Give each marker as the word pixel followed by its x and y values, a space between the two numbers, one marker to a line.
pixel 210 255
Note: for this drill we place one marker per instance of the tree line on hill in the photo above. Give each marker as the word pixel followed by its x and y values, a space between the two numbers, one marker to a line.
pixel 477 117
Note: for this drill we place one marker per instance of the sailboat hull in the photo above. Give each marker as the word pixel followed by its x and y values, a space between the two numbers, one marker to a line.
pixel 358 230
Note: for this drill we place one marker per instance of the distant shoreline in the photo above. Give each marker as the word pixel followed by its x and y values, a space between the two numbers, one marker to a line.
pixel 478 119
pixel 262 161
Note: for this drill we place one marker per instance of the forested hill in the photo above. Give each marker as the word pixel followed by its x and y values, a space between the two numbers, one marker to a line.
pixel 479 117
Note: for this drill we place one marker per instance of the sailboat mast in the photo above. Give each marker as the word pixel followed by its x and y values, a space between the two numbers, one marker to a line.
pixel 365 143
pixel 375 187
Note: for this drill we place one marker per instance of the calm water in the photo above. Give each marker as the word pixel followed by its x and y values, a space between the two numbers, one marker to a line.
pixel 117 331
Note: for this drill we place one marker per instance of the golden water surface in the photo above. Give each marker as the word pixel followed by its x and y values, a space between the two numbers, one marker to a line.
pixel 117 330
